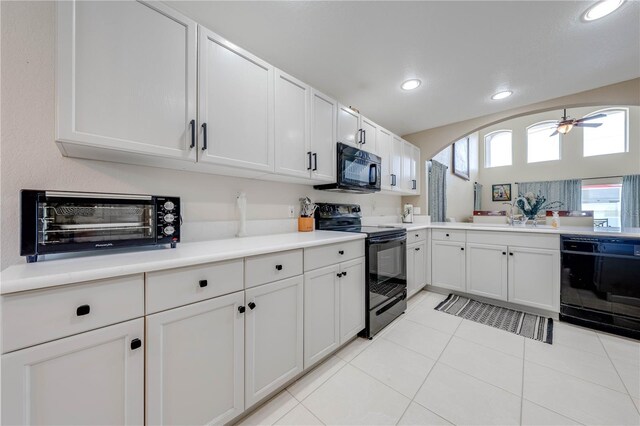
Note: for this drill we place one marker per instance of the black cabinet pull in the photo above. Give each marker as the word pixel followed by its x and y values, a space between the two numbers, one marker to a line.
pixel 279 267
pixel 462 248
pixel 204 134
pixel 135 344
pixel 344 274
pixel 415 184
pixel 447 235
pixel 364 137
pixel 83 310
pixel 360 136
pixel 417 248
pixel 510 254
pixel 251 305
pixel 417 235
pixel 309 159
pixel 315 161
pixel 241 309
pixel 504 253
pixel 203 283
pixel 393 180
pixel 341 252
pixel 338 275
pixel 192 123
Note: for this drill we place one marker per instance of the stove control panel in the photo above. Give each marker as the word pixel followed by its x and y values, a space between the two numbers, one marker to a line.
pixel 168 220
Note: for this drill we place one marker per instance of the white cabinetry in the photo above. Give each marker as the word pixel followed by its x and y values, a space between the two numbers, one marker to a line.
pixel 273 337
pixel 349 127
pixel 415 173
pixel 416 267
pixel 323 137
pixel 396 163
pixel 384 151
pixel 448 264
pixel 95 377
pixel 195 363
pixel 487 270
pixel 292 144
pixel 236 107
pixel 534 277
pixel 369 135
pixel 125 82
pixel 321 313
pixel 352 299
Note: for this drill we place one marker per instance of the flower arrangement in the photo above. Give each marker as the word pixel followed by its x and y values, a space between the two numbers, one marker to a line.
pixel 531 204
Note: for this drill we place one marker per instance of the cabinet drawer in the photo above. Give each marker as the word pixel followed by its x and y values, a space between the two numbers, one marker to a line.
pixel 449 235
pixel 267 268
pixel 416 236
pixel 181 286
pixel 33 317
pixel 318 257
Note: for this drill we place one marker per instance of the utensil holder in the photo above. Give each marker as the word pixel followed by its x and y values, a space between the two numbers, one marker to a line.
pixel 305 224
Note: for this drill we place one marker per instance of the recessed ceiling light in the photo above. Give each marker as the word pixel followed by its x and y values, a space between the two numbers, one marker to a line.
pixel 502 95
pixel 601 9
pixel 411 84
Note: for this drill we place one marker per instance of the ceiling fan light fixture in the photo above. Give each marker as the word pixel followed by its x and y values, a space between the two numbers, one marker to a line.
pixel 564 128
pixel 601 9
pixel 502 95
pixel 412 84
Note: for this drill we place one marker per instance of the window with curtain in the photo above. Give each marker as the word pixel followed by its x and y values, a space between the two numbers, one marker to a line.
pixel 540 145
pixel 630 201
pixel 568 192
pixel 497 149
pixel 610 137
pixel 437 191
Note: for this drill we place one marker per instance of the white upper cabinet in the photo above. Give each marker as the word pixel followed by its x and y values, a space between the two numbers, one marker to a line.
pixel 125 81
pixel 349 131
pixel 235 106
pixel 406 184
pixel 369 135
pixel 383 140
pixel 415 169
pixel 292 144
pixel 396 163
pixel 323 137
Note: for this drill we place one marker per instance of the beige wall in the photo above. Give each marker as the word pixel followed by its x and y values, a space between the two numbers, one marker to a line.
pixel 572 163
pixel 29 157
pixel 460 191
pixel 432 141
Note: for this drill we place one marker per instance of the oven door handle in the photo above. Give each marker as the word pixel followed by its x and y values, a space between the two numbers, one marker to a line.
pixel 381 240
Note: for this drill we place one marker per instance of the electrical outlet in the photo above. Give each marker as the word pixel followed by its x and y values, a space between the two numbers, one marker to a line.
pixel 292 211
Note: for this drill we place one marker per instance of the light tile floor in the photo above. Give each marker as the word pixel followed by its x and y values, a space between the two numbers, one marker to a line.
pixel 431 368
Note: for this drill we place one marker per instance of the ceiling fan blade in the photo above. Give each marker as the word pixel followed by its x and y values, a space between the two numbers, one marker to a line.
pixel 592 117
pixel 554 133
pixel 588 124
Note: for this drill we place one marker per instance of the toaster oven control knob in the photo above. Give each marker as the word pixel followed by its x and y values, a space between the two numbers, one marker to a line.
pixel 169 218
pixel 168 206
pixel 168 230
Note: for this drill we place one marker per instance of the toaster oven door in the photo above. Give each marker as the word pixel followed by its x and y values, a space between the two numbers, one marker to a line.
pixel 69 221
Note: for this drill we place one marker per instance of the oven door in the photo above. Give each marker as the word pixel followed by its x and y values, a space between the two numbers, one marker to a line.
pixel 70 221
pixel 358 170
pixel 387 268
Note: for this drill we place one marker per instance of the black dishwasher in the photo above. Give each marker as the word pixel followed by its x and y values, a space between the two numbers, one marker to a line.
pixel 601 283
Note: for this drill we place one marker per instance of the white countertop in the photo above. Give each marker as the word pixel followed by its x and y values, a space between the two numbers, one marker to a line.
pixel 49 273
pixel 541 229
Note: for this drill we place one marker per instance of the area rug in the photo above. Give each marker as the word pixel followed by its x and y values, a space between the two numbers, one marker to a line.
pixel 527 325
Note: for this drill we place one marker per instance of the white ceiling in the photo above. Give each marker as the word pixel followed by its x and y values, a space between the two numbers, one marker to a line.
pixel 360 52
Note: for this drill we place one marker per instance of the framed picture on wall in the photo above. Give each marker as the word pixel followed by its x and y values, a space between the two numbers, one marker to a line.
pixel 501 192
pixel 461 158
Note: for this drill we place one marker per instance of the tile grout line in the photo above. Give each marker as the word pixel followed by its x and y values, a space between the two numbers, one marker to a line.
pixel 524 349
pixel 553 411
pixel 325 381
pixel 618 373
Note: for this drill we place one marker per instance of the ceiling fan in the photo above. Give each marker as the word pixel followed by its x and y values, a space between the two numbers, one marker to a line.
pixel 565 125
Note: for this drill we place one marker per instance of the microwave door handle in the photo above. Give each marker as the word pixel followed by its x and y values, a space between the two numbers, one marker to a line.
pixel 373 171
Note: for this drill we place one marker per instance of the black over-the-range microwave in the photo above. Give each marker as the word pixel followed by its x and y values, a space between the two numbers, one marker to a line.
pixel 66 221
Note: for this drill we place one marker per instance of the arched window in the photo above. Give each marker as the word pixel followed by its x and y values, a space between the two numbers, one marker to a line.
pixel 611 137
pixel 497 149
pixel 540 145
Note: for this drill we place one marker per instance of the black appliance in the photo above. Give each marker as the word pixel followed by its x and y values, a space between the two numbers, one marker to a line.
pixel 386 264
pixel 358 171
pixel 601 283
pixel 65 221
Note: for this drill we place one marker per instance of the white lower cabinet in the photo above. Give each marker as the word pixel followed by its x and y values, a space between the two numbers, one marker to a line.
pixel 448 265
pixel 195 363
pixel 487 270
pixel 534 277
pixel 273 337
pixel 334 307
pixel 416 267
pixel 95 377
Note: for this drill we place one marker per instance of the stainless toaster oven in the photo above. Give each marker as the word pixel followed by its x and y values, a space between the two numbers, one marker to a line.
pixel 65 221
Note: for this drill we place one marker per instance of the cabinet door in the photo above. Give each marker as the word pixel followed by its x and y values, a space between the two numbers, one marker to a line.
pixel 407 156
pixel 352 299
pixel 273 339
pixel 396 163
pixel 416 267
pixel 349 126
pixel 323 137
pixel 95 377
pixel 125 79
pixel 236 105
pixel 487 270
pixel 195 363
pixel 384 151
pixel 369 135
pixel 321 313
pixel 534 277
pixel 448 265
pixel 411 270
pixel 292 145
pixel 415 169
